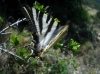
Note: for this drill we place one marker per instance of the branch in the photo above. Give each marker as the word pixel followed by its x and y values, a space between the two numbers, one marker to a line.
pixel 2 32
pixel 12 25
pixel 5 50
pixel 7 33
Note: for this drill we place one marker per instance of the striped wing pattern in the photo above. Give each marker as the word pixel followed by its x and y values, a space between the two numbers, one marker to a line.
pixel 46 28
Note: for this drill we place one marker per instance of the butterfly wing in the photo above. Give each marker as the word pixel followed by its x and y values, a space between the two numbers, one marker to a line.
pixel 46 28
pixel 27 11
pixel 57 35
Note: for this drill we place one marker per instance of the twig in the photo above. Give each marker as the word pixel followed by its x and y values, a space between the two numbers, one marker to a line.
pixel 2 32
pixel 12 25
pixel 7 33
pixel 5 50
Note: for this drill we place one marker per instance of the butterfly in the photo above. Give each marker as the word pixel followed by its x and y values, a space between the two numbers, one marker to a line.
pixel 45 29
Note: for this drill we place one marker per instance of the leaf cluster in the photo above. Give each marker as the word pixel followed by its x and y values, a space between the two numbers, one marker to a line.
pixel 1 19
pixel 74 46
pixel 15 41
pixel 39 7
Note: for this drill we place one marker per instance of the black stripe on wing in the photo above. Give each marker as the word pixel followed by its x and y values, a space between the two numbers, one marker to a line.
pixel 37 14
pixel 27 11
pixel 40 22
pixel 49 26
pixel 48 18
pixel 51 32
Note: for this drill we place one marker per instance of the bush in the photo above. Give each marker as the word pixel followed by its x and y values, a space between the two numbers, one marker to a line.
pixel 98 14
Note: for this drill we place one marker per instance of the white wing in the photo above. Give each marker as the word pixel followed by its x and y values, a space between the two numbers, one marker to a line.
pixel 36 20
pixel 46 28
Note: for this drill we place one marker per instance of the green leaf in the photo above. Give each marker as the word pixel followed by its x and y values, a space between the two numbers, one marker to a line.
pixel 56 20
pixel 15 40
pixel 39 7
pixel 22 52
pixel 74 46
pixel 1 19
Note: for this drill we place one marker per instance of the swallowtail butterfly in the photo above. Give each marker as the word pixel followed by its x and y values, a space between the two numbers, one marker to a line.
pixel 46 31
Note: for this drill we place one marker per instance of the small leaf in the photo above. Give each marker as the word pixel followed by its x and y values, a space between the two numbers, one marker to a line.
pixel 39 7
pixel 1 19
pixel 14 40
pixel 56 20
pixel 74 46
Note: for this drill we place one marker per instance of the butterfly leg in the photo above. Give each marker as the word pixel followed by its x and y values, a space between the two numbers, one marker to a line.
pixel 35 52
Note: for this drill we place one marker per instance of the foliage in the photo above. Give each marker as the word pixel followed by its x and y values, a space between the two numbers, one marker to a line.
pixel 96 19
pixel 39 7
pixel 15 41
pixel 22 52
pixel 85 16
pixel 98 14
pixel 57 20
pixel 73 62
pixel 25 33
pixel 60 67
pixel 92 3
pixel 1 19
pixel 59 45
pixel 73 45
pixel 75 12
